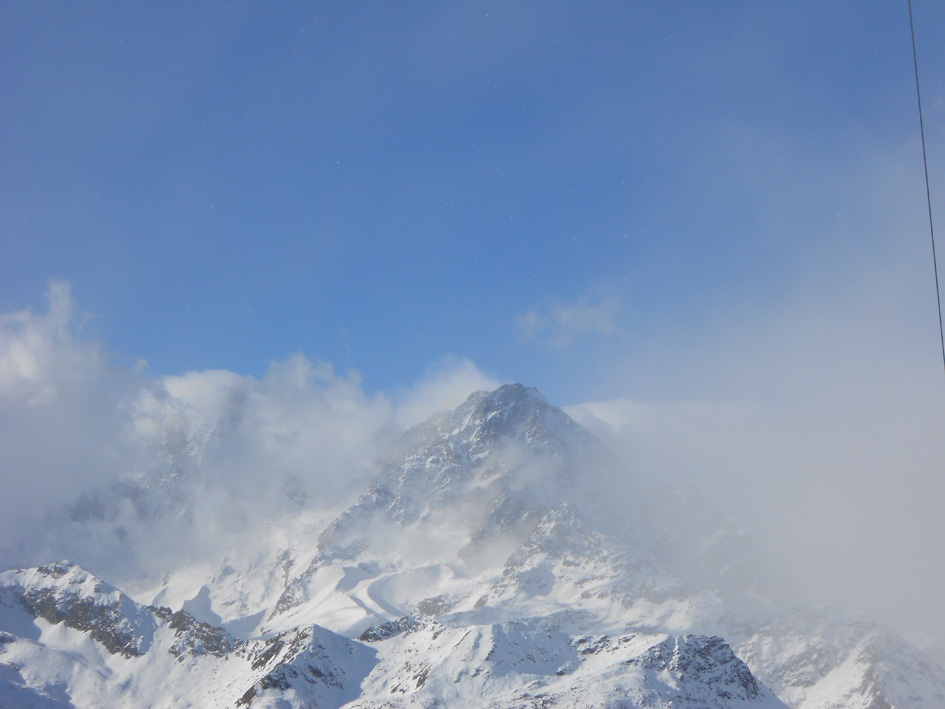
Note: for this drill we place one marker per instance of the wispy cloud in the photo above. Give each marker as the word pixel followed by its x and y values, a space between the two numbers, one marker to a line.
pixel 563 324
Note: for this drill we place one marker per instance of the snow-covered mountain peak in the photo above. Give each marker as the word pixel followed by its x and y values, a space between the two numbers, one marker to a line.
pixel 58 586
pixel 65 593
pixel 513 413
pixel 498 412
pixel 482 476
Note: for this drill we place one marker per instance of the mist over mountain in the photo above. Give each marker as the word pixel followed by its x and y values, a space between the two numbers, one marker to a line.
pixel 252 542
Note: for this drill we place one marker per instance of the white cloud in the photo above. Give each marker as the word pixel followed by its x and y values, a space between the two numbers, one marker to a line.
pixel 565 323
pixel 205 458
pixel 63 408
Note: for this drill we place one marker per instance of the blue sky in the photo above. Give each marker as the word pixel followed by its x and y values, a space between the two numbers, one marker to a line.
pixel 381 186
pixel 702 224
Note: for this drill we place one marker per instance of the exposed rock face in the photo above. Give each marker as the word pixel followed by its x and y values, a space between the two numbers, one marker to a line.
pixel 64 593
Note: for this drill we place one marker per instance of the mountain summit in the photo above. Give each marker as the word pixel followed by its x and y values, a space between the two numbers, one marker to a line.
pixel 500 557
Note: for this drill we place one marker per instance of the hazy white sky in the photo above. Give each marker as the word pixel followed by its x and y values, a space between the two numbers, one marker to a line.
pixel 711 216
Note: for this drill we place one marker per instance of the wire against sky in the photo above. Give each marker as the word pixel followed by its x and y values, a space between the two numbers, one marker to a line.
pixel 928 191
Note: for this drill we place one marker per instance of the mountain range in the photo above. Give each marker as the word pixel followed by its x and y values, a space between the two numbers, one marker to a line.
pixel 497 556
